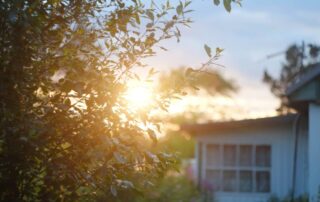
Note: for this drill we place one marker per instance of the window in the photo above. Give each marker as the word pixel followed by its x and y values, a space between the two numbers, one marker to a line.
pixel 263 181
pixel 229 181
pixel 239 168
pixel 263 156
pixel 214 152
pixel 245 156
pixel 214 176
pixel 245 183
pixel 229 155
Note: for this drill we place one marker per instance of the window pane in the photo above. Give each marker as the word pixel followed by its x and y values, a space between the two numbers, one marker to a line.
pixel 263 181
pixel 213 155
pixel 229 155
pixel 214 180
pixel 245 155
pixel 263 157
pixel 229 181
pixel 245 181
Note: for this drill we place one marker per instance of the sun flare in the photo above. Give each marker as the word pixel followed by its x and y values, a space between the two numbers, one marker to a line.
pixel 139 95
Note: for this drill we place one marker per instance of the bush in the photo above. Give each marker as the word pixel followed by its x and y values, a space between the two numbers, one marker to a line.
pixel 172 188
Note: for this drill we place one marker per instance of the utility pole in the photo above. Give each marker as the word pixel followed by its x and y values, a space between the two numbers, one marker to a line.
pixel 302 55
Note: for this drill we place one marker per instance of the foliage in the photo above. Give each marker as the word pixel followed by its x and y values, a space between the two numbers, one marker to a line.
pixel 227 3
pixel 190 80
pixel 176 142
pixel 66 131
pixel 298 60
pixel 171 189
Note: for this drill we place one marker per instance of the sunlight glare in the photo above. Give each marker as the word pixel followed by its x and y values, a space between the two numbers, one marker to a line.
pixel 139 95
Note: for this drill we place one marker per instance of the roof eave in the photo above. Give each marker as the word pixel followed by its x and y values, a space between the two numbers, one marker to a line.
pixel 196 129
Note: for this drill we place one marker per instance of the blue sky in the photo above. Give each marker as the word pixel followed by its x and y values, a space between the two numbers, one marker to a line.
pixel 248 34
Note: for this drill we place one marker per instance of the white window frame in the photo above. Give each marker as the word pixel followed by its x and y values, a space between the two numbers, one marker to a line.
pixel 237 168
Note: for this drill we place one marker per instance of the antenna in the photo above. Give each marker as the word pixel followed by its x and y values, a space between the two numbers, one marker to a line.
pixel 301 54
pixel 270 56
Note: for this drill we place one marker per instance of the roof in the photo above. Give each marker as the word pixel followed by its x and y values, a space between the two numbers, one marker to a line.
pixel 228 125
pixel 306 77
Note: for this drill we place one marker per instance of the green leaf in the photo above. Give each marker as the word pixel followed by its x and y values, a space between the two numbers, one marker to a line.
pixel 65 145
pixel 239 3
pixel 227 5
pixel 195 87
pixel 151 72
pixel 150 15
pixel 179 9
pixel 153 136
pixel 136 76
pixel 216 2
pixel 187 3
pixel 158 127
pixel 207 49
pixel 149 25
pixel 219 51
pixel 163 48
pixel 137 18
pixel 67 102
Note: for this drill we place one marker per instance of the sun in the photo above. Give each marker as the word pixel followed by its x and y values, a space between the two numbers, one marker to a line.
pixel 139 95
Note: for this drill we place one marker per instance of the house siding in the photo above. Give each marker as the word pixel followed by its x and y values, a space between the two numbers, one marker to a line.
pixel 302 160
pixel 314 151
pixel 281 140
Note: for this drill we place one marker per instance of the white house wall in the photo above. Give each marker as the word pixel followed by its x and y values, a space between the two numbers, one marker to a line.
pixel 302 160
pixel 314 152
pixel 282 143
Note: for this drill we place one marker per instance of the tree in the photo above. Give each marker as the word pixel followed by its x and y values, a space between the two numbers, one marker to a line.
pixel 298 60
pixel 66 131
pixel 191 80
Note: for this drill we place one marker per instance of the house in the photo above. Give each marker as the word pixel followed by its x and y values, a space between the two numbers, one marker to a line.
pixel 252 160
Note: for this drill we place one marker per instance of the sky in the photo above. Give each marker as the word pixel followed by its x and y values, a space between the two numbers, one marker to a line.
pixel 248 34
